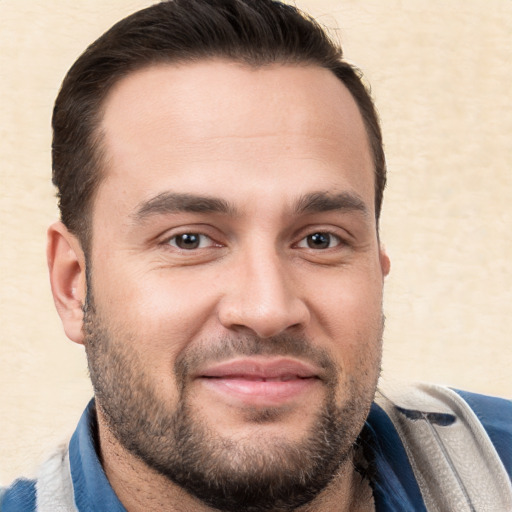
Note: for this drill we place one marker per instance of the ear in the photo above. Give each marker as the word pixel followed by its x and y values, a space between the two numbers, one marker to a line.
pixel 66 265
pixel 385 263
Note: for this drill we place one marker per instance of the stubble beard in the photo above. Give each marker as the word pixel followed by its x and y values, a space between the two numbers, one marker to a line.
pixel 256 474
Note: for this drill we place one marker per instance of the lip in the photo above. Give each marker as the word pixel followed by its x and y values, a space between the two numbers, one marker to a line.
pixel 260 381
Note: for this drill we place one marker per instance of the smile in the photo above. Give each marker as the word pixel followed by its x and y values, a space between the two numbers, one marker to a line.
pixel 260 381
pixel 255 378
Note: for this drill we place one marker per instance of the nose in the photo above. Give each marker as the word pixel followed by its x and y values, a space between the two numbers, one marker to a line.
pixel 262 298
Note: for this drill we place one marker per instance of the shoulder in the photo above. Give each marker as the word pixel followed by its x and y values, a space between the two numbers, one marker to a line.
pixel 20 496
pixel 488 419
pixel 459 444
pixel 495 415
pixel 51 490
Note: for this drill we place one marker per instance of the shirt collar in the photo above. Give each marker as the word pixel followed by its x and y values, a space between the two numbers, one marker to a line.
pixel 91 487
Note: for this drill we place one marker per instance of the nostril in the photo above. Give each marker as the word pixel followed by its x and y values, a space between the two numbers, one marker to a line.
pixel 265 326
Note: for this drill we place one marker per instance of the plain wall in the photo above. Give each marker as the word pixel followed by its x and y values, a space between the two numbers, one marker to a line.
pixel 440 73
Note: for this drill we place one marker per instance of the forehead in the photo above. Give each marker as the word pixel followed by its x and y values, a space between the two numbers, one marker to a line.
pixel 196 125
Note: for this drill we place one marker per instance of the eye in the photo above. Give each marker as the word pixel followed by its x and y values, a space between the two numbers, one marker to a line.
pixel 320 240
pixel 190 241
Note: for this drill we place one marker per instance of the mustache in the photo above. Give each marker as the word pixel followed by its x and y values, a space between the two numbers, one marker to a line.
pixel 222 349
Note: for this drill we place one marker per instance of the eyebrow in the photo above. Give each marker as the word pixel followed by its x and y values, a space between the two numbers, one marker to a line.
pixel 318 202
pixel 172 202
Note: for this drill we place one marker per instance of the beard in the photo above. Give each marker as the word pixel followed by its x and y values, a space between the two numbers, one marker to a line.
pixel 257 473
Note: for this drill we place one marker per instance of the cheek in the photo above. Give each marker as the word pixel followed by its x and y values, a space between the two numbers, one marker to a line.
pixel 349 313
pixel 349 303
pixel 161 315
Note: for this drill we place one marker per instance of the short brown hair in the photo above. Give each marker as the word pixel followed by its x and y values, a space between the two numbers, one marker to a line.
pixel 256 32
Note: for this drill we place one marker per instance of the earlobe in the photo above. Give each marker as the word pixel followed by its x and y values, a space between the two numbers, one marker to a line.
pixel 66 266
pixel 385 263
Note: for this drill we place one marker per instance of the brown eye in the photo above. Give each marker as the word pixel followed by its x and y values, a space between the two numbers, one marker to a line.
pixel 320 240
pixel 189 241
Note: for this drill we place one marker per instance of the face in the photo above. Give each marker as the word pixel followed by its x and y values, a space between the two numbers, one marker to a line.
pixel 234 320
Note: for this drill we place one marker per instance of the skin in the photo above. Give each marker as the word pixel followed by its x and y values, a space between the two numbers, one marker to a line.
pixel 264 141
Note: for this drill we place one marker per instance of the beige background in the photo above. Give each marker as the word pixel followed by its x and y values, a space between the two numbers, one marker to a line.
pixel 441 74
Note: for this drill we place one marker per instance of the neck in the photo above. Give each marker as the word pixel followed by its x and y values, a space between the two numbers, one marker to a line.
pixel 142 489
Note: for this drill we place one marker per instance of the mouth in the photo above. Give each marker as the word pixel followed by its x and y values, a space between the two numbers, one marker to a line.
pixel 260 381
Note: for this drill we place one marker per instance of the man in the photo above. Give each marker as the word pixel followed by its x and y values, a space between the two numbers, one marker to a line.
pixel 220 174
